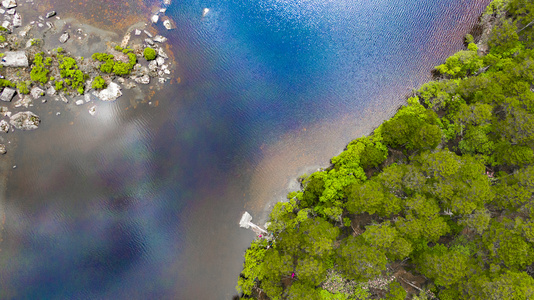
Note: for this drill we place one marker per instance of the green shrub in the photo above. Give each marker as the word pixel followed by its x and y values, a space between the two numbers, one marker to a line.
pixel 149 53
pixel 58 85
pixel 5 82
pixel 73 76
pixel 99 83
pixel 39 72
pixel 23 87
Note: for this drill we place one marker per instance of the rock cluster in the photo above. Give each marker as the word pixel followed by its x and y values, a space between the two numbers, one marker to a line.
pixel 25 120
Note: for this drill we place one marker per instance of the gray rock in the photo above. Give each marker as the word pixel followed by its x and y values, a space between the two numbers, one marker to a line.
pixel 149 41
pixel 154 18
pixel 50 14
pixel 9 3
pixel 15 59
pixel 37 92
pixel 79 102
pixel 153 66
pixel 111 93
pixel 92 110
pixel 4 110
pixel 11 11
pixel 7 94
pixel 137 32
pixel 167 2
pixel 160 39
pixel 145 79
pixel 25 120
pixel 160 61
pixel 64 38
pixel 4 126
pixel 63 98
pixel 7 25
pixel 17 20
pixel 162 53
pixel 3 149
pixel 2 11
pixel 51 91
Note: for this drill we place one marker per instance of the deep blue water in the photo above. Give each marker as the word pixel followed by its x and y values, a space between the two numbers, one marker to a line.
pixel 144 203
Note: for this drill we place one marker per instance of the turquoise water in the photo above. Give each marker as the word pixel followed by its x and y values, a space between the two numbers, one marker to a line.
pixel 144 203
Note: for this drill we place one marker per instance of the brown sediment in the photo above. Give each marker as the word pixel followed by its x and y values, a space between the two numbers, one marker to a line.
pixel 111 15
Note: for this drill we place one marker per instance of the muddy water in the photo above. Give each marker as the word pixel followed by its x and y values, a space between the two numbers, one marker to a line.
pixel 144 202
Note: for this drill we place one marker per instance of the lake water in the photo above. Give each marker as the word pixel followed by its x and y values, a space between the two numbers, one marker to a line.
pixel 144 203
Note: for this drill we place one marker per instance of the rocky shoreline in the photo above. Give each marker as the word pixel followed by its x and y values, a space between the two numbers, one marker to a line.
pixel 37 66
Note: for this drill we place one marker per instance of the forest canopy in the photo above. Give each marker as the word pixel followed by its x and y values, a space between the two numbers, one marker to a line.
pixel 436 203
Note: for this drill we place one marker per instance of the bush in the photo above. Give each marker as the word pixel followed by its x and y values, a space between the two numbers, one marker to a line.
pixel 73 76
pixel 23 87
pixel 39 72
pixel 99 83
pixel 149 53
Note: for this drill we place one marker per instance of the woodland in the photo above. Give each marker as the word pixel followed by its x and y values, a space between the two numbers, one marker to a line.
pixel 436 203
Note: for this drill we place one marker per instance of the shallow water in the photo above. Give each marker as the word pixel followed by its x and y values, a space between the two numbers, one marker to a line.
pixel 144 203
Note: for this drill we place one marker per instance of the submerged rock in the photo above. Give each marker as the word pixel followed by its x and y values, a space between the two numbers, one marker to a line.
pixel 64 38
pixel 15 59
pixel 25 120
pixel 3 149
pixel 160 39
pixel 4 126
pixel 154 18
pixel 92 110
pixel 145 79
pixel 25 101
pixel 7 94
pixel 167 23
pixel 111 93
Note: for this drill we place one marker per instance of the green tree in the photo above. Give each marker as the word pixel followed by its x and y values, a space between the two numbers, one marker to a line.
pixel 359 261
pixel 301 290
pixel 478 221
pixel 396 292
pixel 506 285
pixel 507 246
pixel 311 270
pixel 445 266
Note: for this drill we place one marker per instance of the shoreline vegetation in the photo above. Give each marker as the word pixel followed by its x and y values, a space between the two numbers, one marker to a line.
pixel 31 70
pixel 436 203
